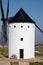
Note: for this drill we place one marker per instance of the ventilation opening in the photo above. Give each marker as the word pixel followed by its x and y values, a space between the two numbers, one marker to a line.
pixel 21 39
pixel 28 26
pixel 21 26
pixel 14 26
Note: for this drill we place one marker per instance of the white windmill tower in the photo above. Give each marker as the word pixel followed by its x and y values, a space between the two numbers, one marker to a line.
pixel 22 36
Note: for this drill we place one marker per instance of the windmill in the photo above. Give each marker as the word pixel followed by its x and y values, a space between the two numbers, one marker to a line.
pixel 4 25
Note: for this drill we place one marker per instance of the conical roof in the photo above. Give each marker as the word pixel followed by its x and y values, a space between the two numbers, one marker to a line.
pixel 21 17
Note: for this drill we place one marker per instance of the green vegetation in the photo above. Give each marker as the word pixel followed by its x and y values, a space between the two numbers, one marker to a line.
pixel 0 51
pixel 36 63
pixel 4 51
pixel 39 54
pixel 14 63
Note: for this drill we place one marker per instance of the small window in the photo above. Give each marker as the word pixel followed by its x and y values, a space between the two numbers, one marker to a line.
pixel 21 26
pixel 14 26
pixel 28 26
pixel 21 39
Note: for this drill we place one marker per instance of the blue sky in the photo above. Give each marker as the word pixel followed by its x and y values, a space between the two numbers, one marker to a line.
pixel 34 8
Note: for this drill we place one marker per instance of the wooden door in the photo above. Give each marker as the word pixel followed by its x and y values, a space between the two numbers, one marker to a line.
pixel 21 53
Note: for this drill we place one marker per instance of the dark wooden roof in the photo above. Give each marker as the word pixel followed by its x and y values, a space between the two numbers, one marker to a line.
pixel 21 16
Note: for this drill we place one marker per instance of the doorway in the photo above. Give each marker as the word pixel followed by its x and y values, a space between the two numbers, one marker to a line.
pixel 21 53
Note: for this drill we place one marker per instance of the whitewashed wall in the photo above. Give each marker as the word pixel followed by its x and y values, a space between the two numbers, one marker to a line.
pixel 28 43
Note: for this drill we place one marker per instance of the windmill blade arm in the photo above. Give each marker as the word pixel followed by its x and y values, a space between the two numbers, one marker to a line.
pixel 38 28
pixel 4 31
pixel 2 11
pixel 4 23
pixel 0 2
pixel 7 9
